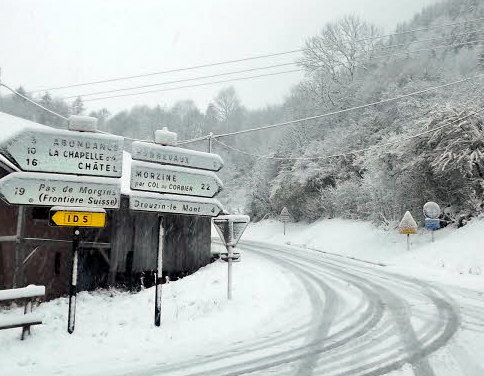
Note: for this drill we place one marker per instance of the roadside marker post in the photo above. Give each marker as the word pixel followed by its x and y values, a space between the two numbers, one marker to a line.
pixel 230 229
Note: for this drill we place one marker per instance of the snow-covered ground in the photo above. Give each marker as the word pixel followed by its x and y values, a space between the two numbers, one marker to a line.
pixel 456 256
pixel 115 333
pixel 114 330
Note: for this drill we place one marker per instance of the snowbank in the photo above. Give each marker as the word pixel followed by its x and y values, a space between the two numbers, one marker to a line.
pixel 115 332
pixel 454 253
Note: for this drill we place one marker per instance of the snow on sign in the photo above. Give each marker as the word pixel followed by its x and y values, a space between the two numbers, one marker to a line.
pixel 31 188
pixel 153 177
pixel 407 225
pixel 170 155
pixel 66 152
pixel 431 210
pixel 231 236
pixel 166 203
pixel 285 215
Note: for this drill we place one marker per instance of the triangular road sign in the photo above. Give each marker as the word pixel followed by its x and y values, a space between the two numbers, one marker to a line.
pixel 285 216
pixel 231 227
pixel 408 224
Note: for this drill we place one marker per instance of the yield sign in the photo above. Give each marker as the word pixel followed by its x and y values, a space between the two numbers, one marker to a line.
pixel 231 227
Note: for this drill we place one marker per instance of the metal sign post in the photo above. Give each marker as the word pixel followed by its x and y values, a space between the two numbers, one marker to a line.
pixel 284 217
pixel 230 250
pixel 159 273
pixel 230 229
pixel 73 286
pixel 431 212
pixel 75 217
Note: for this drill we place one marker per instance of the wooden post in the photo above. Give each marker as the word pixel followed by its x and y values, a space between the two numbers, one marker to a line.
pixel 19 272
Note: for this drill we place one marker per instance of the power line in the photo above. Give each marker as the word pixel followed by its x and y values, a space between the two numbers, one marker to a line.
pixel 248 77
pixel 273 66
pixel 195 85
pixel 270 126
pixel 178 81
pixel 33 102
pixel 353 152
pixel 244 59
pixel 169 71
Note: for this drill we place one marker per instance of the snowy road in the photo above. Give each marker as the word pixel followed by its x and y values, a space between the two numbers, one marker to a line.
pixel 295 312
pixel 363 320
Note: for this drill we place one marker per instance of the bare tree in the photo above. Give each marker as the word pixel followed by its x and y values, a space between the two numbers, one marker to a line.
pixel 341 48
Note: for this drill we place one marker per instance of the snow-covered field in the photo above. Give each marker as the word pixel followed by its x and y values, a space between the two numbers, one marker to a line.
pixel 456 256
pixel 115 333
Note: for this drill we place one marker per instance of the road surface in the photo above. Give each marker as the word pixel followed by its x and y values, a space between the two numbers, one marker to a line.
pixel 363 320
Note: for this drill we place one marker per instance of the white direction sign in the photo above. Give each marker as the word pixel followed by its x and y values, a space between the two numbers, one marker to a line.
pixel 223 224
pixel 153 177
pixel 30 188
pixel 176 204
pixel 66 152
pixel 170 155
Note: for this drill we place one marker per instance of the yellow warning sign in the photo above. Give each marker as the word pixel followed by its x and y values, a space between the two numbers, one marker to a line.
pixel 407 231
pixel 77 218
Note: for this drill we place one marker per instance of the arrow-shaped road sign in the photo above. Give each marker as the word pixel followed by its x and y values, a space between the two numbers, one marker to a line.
pixel 153 177
pixel 38 189
pixel 66 152
pixel 170 155
pixel 80 217
pixel 176 204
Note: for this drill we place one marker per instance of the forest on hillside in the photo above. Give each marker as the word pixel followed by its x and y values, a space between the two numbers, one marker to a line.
pixel 372 163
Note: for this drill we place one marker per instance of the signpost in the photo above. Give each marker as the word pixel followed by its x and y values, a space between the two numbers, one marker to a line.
pixel 285 217
pixel 66 152
pixel 40 189
pixel 431 212
pixel 52 159
pixel 174 180
pixel 230 229
pixel 75 217
pixel 144 151
pixel 407 227
pixel 153 177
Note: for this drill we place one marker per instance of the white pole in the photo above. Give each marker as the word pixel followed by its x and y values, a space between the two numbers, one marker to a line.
pixel 408 242
pixel 230 251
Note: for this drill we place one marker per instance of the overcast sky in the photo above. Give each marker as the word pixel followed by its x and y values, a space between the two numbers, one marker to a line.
pixel 58 42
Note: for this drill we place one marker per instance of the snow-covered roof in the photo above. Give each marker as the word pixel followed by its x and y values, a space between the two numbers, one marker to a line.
pixel 10 125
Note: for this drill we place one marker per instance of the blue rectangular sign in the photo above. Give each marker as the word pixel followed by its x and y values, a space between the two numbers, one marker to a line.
pixel 432 224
